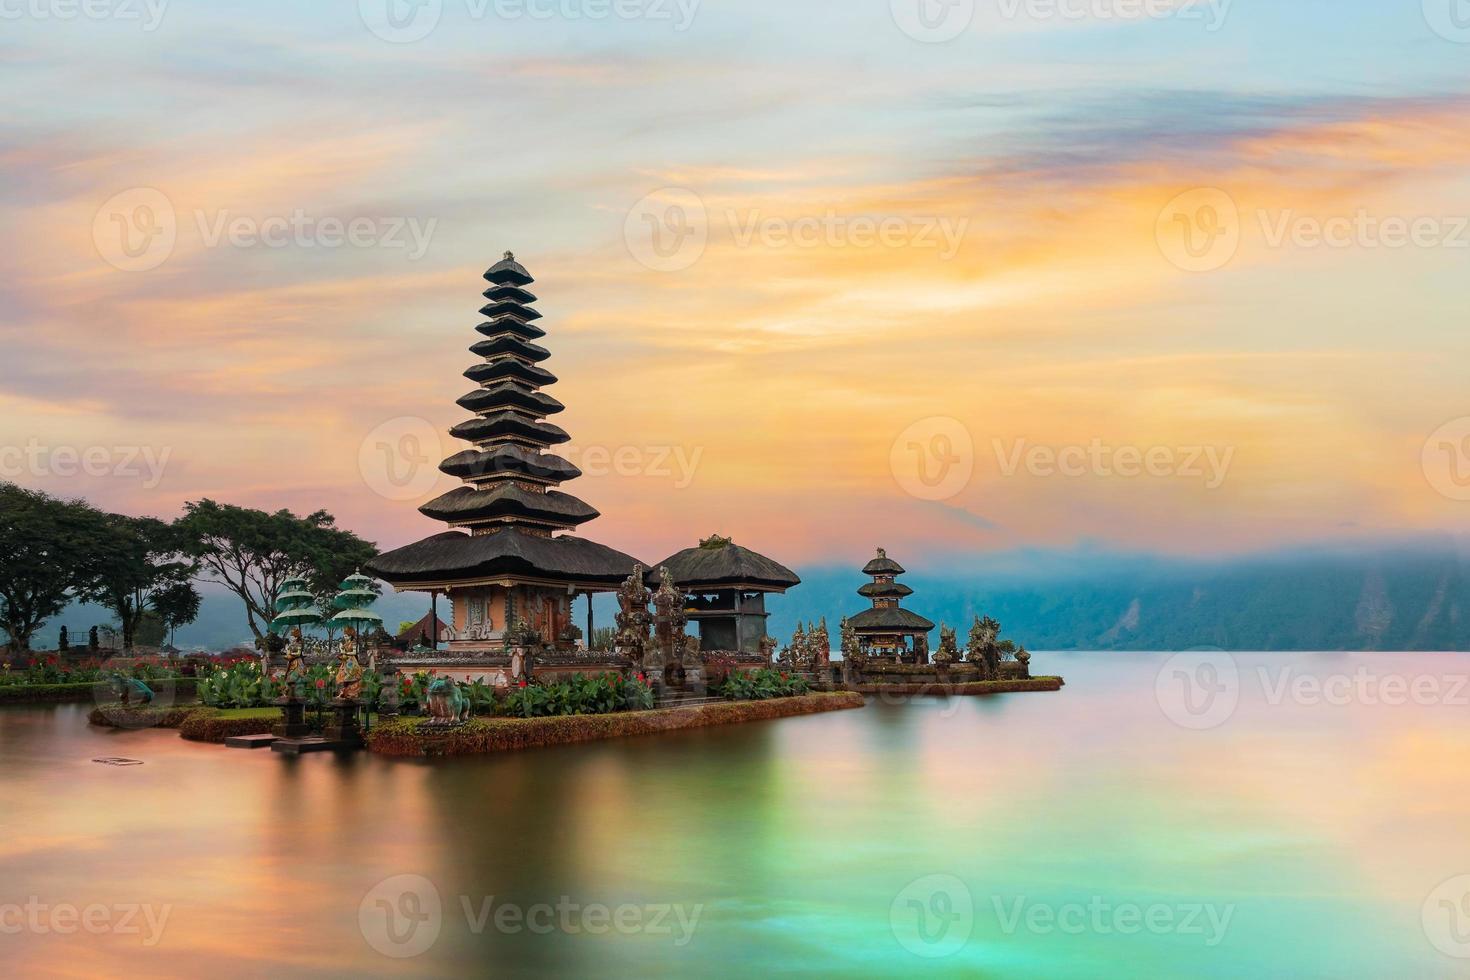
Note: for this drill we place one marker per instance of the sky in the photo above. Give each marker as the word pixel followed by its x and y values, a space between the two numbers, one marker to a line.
pixel 955 278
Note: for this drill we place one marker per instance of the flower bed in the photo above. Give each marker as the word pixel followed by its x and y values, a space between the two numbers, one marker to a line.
pixel 410 737
pixel 969 687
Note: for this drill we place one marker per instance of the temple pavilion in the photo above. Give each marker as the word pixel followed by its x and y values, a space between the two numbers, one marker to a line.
pixel 887 629
pixel 510 560
pixel 726 587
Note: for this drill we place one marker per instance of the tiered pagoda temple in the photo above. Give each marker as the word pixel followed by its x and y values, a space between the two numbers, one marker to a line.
pixel 510 562
pixel 887 629
pixel 726 586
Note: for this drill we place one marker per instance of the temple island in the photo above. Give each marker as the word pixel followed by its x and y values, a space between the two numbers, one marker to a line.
pixel 511 663
pixel 512 564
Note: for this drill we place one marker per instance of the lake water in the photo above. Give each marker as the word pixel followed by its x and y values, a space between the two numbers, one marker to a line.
pixel 1307 816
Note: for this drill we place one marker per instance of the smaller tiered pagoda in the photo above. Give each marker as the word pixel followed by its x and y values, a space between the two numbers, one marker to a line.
pixel 887 629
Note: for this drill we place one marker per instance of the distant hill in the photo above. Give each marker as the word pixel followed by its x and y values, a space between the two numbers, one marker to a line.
pixel 1403 599
pixel 1410 598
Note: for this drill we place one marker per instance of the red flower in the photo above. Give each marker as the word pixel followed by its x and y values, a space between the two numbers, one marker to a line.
pixel 320 683
pixel 522 683
pixel 641 678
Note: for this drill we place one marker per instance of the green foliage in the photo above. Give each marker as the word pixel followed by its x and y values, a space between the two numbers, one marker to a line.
pixel 52 670
pixel 237 686
pixel 44 548
pixel 253 552
pixel 136 561
pixel 762 685
pixel 213 725
pixel 577 695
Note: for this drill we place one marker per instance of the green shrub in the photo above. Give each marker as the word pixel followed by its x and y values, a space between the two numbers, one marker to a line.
pixel 209 725
pixel 601 694
pixel 762 685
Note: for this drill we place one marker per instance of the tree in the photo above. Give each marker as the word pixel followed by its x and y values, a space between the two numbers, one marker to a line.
pixel 177 606
pixel 43 550
pixel 138 562
pixel 251 552
pixel 151 630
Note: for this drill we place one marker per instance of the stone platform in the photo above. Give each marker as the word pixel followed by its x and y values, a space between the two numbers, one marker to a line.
pixel 315 743
pixel 251 741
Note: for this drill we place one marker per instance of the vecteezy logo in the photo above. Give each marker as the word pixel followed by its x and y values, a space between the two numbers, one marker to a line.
pixel 1198 689
pixel 136 230
pixel 667 230
pixel 934 458
pixel 399 459
pixel 933 916
pixel 401 916
pixel 1450 19
pixel 1446 459
pixel 1199 231
pixel 932 21
pixel 401 21
pixel 1446 917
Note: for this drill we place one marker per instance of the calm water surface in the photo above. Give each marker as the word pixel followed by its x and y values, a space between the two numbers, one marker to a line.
pixel 1033 835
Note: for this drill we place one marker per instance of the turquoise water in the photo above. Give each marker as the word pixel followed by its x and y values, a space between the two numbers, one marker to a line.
pixel 1078 834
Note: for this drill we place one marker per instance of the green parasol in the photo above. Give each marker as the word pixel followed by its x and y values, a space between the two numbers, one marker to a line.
pixel 295 606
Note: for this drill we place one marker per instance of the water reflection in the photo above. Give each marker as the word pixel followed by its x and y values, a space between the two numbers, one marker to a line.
pixel 1322 826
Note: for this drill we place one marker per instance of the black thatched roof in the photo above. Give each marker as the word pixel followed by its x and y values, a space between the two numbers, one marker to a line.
pixel 725 564
pixel 505 308
pixel 510 292
pixel 885 590
pixel 508 368
pixel 509 343
pixel 508 270
pixel 510 394
pixel 508 459
pixel 455 556
pixel 510 424
pixel 509 500
pixel 892 620
pixel 882 565
pixel 509 324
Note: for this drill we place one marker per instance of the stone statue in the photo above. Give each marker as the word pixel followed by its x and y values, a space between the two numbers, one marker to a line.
pixel 669 620
pixel 821 644
pixel 801 658
pixel 983 651
pixel 921 648
pixel 948 646
pixel 447 703
pixel 692 655
pixel 1023 657
pixel 631 639
pixel 349 670
pixel 768 648
pixel 295 676
pixel 849 642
